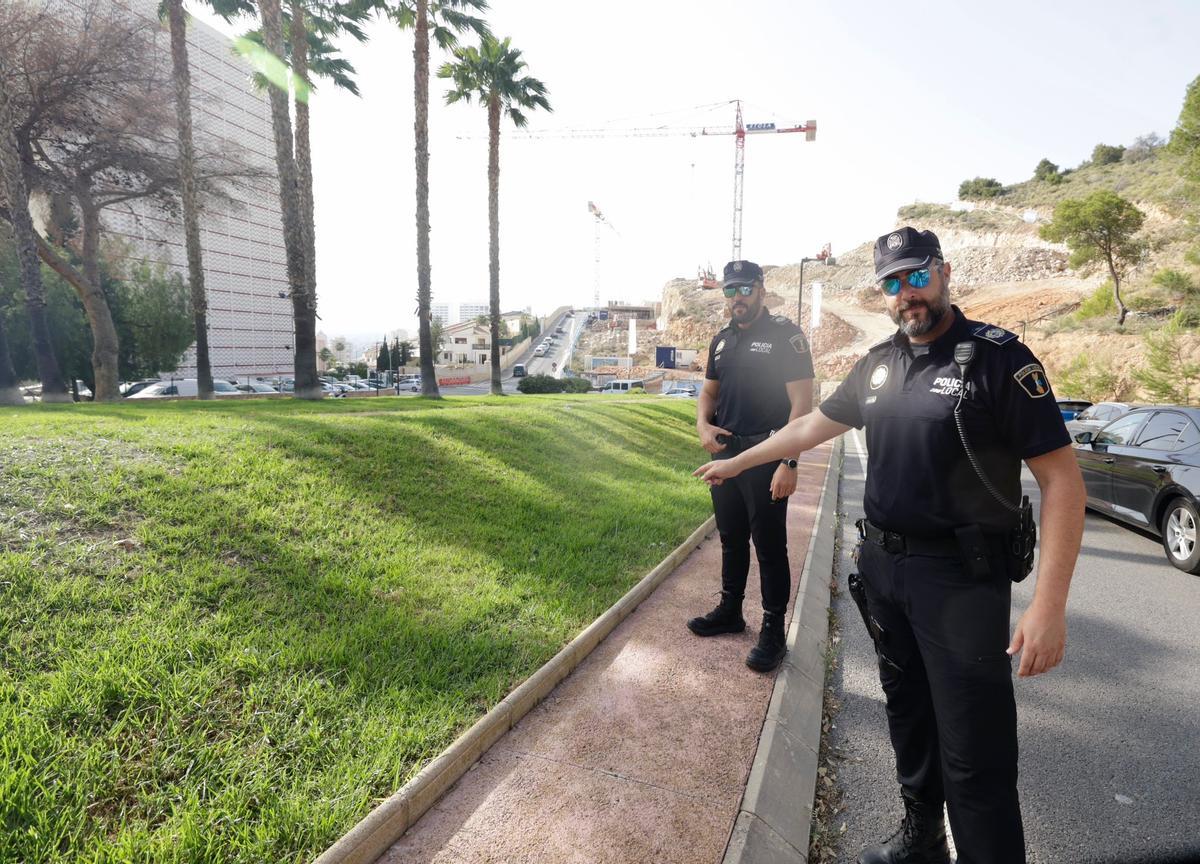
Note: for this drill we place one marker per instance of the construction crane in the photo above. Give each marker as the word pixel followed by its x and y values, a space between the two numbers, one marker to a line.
pixel 600 220
pixel 739 130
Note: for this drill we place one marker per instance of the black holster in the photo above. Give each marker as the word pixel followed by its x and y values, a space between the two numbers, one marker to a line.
pixel 876 632
pixel 1022 541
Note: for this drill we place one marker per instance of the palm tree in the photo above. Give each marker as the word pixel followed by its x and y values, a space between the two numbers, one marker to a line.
pixel 492 73
pixel 182 77
pixel 12 179
pixel 310 25
pixel 10 394
pixel 304 305
pixel 445 18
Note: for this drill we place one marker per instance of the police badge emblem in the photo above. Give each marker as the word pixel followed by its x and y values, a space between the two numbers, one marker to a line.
pixel 894 242
pixel 1032 379
pixel 879 376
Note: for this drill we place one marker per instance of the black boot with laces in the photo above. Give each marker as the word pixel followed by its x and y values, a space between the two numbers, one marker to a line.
pixel 772 644
pixel 726 618
pixel 920 840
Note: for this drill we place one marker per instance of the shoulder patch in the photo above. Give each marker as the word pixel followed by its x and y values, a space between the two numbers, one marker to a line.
pixel 993 334
pixel 799 343
pixel 1032 379
pixel 781 319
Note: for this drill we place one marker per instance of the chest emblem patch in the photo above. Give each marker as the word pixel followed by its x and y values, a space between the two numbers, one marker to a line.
pixel 1033 381
pixel 879 376
pixel 948 386
pixel 799 343
pixel 760 347
pixel 894 242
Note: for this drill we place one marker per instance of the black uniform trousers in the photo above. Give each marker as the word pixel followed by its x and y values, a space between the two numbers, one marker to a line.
pixel 950 706
pixel 744 510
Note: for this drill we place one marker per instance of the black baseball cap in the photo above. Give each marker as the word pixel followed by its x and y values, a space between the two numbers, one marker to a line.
pixel 905 249
pixel 742 273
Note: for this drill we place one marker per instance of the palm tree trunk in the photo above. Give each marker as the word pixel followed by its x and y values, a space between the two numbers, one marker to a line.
pixel 10 393
pixel 54 389
pixel 187 181
pixel 429 385
pixel 303 305
pixel 304 173
pixel 494 234
pixel 105 344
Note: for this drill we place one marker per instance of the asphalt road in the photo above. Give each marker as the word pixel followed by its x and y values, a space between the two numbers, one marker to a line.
pixel 1110 740
pixel 549 364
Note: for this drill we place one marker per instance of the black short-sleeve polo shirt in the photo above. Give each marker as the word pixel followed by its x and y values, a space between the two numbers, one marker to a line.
pixel 753 367
pixel 919 480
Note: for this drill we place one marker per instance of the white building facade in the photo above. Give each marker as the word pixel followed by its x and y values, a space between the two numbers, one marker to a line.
pixel 250 326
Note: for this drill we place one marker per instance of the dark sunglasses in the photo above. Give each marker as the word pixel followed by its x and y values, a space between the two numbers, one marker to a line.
pixel 917 279
pixel 744 290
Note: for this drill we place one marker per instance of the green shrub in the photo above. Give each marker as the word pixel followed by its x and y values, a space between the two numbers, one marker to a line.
pixel 1098 304
pixel 1175 282
pixel 1087 379
pixel 1188 316
pixel 1045 170
pixel 576 385
pixel 980 187
pixel 540 384
pixel 1105 154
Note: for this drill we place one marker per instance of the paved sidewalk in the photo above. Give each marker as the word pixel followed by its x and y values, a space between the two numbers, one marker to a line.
pixel 642 754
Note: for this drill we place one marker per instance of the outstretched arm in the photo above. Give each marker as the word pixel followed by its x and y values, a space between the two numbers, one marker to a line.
pixel 801 434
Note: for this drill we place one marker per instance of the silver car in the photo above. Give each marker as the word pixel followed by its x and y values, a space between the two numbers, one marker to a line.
pixel 1094 417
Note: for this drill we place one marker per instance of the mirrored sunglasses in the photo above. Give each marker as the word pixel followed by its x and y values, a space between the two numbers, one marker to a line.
pixel 744 290
pixel 916 279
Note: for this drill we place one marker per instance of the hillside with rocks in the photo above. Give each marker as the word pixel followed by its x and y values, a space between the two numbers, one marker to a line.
pixel 1003 272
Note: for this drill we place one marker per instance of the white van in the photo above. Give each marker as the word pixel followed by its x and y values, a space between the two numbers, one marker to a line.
pixel 624 385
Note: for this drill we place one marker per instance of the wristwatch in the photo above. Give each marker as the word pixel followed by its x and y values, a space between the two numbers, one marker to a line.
pixel 791 463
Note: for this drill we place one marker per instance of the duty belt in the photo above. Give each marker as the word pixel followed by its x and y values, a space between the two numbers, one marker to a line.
pixel 739 443
pixel 942 547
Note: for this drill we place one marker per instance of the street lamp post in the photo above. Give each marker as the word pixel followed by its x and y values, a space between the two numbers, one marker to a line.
pixel 800 290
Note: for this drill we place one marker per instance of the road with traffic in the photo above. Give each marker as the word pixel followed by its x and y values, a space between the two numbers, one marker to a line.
pixel 1110 764
pixel 551 363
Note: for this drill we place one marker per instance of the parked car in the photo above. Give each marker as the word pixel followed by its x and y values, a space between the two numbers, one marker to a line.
pixel 256 387
pixel 411 383
pixel 540 351
pixel 518 370
pixel 184 387
pixel 682 390
pixel 1144 469
pixel 1070 407
pixel 1095 417
pixel 129 388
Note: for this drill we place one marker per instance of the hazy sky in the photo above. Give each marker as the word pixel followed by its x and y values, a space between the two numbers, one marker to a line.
pixel 910 99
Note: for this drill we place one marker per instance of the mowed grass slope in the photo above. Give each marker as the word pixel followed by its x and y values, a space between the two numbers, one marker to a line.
pixel 228 630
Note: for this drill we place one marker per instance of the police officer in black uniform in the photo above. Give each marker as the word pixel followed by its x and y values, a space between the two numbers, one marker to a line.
pixel 759 377
pixel 945 535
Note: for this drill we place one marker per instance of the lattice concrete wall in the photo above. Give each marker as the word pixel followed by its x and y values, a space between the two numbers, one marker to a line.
pixel 250 328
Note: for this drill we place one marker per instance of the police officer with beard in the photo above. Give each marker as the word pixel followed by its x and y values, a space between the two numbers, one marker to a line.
pixel 759 376
pixel 951 408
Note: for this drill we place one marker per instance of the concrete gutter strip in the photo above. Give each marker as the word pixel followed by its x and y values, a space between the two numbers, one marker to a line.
pixel 774 822
pixel 384 825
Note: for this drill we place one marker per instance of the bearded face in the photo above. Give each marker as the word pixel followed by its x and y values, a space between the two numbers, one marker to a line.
pixel 916 311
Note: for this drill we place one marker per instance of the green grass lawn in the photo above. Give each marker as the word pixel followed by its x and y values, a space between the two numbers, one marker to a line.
pixel 228 630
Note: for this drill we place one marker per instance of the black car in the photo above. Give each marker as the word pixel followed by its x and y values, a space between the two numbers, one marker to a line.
pixel 1144 469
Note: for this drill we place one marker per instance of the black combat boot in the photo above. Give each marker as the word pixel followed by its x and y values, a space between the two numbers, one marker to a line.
pixel 920 840
pixel 726 618
pixel 772 644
